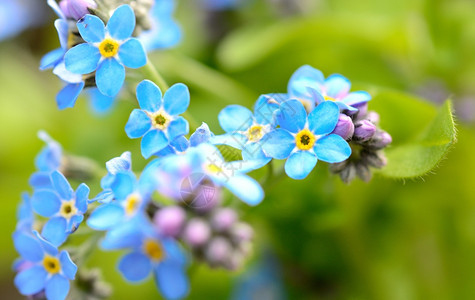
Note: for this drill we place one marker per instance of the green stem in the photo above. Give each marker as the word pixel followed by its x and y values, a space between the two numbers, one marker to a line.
pixel 151 72
pixel 86 249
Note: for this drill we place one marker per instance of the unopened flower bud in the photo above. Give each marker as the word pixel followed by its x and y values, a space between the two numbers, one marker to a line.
pixel 218 251
pixel 380 140
pixel 374 159
pixel 348 174
pixel 169 220
pixel 223 219
pixel 364 130
pixel 345 127
pixel 362 110
pixel 201 135
pixel 242 232
pixel 363 171
pixel 373 117
pixel 76 9
pixel 197 232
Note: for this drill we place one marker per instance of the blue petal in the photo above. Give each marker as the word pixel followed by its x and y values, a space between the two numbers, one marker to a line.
pixel 82 59
pixel 45 203
pixel 103 197
pixel 180 143
pixel 201 135
pixel 332 149
pixel 323 119
pixel 306 76
pixel 123 185
pixel 149 96
pixel 300 164
pixel 55 7
pixel 125 235
pixel 31 281
pixel 57 287
pixel 47 246
pixel 337 86
pixel 82 194
pixel 278 144
pixel 233 139
pixel 110 77
pixel 54 231
pixel 68 95
pixel 74 223
pixel 132 54
pixel 139 123
pixel 100 103
pixel 135 266
pixel 62 186
pixel 106 216
pixel 171 279
pixel 356 98
pixel 292 116
pixel 245 188
pixel 27 246
pixel 92 29
pixel 51 59
pixel 67 265
pixel 62 28
pixel 235 118
pixel 119 164
pixel 121 24
pixel 152 142
pixel 253 151
pixel 66 75
pixel 350 110
pixel 178 127
pixel 264 110
pixel 176 99
pixel 40 180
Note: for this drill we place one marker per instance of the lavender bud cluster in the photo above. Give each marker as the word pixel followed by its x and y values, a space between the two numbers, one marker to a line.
pixel 367 141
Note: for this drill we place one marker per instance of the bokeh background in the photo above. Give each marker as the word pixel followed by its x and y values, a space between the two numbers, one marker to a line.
pixel 317 238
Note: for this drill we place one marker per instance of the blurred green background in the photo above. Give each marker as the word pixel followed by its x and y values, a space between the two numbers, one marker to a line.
pixel 388 239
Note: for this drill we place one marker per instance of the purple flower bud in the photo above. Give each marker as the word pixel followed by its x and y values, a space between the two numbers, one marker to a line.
pixel 218 251
pixel 380 140
pixel 170 220
pixel 197 232
pixel 373 117
pixel 242 232
pixel 223 219
pixel 76 9
pixel 362 109
pixel 364 130
pixel 344 127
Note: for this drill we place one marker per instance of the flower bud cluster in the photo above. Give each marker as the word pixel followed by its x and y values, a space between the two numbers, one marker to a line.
pixel 216 236
pixel 366 141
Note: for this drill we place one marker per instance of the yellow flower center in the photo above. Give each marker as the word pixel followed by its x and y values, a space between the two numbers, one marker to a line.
pixel 305 139
pixel 328 98
pixel 160 120
pixel 132 204
pixel 255 133
pixel 109 48
pixel 213 168
pixel 153 249
pixel 51 264
pixel 68 209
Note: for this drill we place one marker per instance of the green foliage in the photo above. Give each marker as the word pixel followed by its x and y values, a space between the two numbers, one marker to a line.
pixel 422 136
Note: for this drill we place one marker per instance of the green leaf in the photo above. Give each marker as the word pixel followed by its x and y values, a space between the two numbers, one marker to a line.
pixel 420 155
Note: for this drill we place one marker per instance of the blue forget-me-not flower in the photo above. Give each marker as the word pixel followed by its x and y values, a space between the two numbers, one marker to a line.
pixel 309 85
pixel 62 205
pixel 303 140
pixel 107 50
pixel 158 120
pixel 43 268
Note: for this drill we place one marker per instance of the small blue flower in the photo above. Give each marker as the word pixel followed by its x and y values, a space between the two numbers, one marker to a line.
pixel 107 50
pixel 150 253
pixel 130 199
pixel 122 163
pixel 164 31
pixel 308 85
pixel 158 120
pixel 303 140
pixel 48 160
pixel 43 267
pixel 245 130
pixel 62 205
